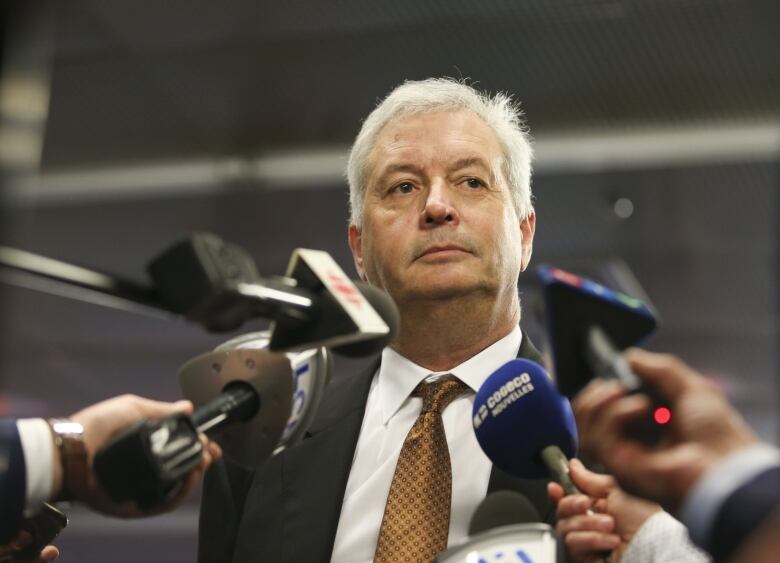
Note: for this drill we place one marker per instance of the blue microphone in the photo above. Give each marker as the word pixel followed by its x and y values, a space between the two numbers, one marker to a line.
pixel 524 425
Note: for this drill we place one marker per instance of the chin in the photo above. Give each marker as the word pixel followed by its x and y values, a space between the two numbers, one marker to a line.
pixel 439 287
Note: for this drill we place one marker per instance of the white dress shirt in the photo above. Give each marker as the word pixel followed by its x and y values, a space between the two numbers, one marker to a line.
pixel 38 449
pixel 390 414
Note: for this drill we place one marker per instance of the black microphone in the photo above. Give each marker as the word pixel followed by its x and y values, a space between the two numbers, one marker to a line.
pixel 147 462
pixel 588 326
pixel 254 402
pixel 505 528
pixel 216 284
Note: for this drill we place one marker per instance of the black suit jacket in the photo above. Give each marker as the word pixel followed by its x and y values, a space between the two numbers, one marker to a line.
pixel 743 512
pixel 288 510
pixel 12 480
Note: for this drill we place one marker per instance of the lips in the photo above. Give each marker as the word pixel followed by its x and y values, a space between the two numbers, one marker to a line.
pixel 441 248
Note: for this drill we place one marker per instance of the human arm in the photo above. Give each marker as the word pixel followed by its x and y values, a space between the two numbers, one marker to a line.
pixel 101 422
pixel 709 468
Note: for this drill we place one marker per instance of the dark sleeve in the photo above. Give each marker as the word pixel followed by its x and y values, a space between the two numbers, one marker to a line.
pixel 13 480
pixel 743 512
pixel 225 488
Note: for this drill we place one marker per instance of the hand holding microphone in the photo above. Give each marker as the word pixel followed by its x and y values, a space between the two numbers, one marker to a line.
pixel 602 519
pixel 704 430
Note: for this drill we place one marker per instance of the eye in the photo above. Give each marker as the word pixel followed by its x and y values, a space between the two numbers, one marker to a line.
pixel 474 183
pixel 404 188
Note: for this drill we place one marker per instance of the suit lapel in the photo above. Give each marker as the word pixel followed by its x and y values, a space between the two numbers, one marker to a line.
pixel 315 472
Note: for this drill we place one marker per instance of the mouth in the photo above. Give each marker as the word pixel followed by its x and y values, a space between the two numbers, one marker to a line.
pixel 442 250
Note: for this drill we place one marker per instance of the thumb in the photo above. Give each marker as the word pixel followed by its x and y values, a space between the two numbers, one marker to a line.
pixel 592 484
pixel 153 409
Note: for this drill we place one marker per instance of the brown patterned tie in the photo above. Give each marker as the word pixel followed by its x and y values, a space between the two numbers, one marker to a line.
pixel 417 515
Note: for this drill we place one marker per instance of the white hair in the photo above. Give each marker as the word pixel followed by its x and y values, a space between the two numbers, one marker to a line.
pixel 499 112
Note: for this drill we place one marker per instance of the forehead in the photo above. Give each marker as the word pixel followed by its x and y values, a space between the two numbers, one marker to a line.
pixel 427 139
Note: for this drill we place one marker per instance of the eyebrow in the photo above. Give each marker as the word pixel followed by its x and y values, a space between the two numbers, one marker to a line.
pixel 399 167
pixel 471 161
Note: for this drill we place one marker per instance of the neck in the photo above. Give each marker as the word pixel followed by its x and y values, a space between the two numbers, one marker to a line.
pixel 442 334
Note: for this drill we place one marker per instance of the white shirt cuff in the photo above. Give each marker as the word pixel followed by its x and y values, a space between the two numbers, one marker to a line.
pixel 703 501
pixel 662 538
pixel 38 448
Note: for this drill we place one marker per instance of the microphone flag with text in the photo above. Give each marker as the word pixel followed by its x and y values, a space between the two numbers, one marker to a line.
pixel 524 425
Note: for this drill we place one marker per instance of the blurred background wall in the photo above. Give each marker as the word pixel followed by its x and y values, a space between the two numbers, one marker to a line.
pixel 127 124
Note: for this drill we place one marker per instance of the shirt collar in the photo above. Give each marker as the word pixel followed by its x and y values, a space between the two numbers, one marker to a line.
pixel 398 376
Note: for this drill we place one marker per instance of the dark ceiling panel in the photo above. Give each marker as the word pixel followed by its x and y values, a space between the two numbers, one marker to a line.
pixel 200 79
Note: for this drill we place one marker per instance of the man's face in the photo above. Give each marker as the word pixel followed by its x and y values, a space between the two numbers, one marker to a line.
pixel 438 216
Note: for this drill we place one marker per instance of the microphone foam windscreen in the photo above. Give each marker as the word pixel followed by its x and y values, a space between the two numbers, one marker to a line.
pixel 502 508
pixel 517 412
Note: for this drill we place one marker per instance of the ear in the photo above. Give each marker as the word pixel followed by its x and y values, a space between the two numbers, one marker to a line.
pixel 527 230
pixel 355 238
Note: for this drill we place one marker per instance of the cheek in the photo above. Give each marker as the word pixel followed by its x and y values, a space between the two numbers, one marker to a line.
pixel 510 243
pixel 373 255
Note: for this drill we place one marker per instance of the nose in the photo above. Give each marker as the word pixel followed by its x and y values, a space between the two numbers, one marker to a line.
pixel 439 208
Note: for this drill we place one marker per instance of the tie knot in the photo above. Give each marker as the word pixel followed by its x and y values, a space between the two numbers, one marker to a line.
pixel 436 395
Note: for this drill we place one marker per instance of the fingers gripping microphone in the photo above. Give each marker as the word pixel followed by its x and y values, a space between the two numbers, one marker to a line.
pixel 524 425
pixel 505 528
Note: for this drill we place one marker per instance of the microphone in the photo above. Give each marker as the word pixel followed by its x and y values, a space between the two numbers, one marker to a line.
pixel 147 462
pixel 524 425
pixel 254 402
pixel 502 508
pixel 216 284
pixel 588 325
pixel 505 528
pixel 203 378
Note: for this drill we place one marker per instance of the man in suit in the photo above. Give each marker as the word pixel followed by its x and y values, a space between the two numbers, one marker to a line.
pixel 711 470
pixel 51 460
pixel 442 220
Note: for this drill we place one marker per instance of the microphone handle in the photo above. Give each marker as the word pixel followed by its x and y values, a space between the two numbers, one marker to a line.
pixel 607 362
pixel 238 402
pixel 558 464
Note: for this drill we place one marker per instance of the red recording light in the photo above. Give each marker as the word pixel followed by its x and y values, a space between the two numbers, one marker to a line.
pixel 662 415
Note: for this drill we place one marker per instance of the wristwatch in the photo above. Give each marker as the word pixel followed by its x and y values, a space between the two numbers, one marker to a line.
pixel 69 439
